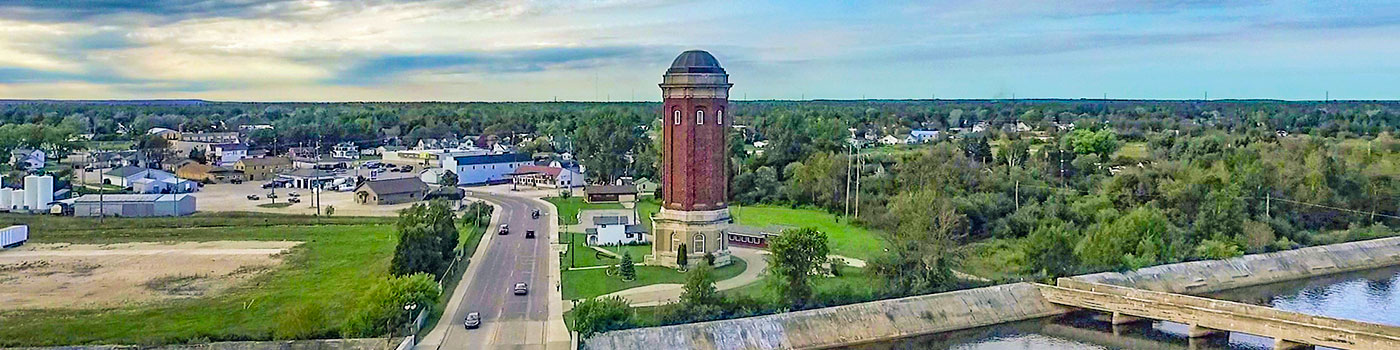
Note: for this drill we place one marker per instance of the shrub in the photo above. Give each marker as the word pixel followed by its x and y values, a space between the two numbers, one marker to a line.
pixel 1218 249
pixel 602 314
pixel 384 305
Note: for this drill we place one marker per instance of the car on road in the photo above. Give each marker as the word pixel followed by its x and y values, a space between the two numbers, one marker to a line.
pixel 253 197
pixel 294 200
pixel 529 233
pixel 521 289
pixel 269 184
pixel 505 230
pixel 535 214
pixel 473 320
pixel 271 195
pixel 293 194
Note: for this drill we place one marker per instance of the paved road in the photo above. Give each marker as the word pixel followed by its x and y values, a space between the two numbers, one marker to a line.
pixel 509 321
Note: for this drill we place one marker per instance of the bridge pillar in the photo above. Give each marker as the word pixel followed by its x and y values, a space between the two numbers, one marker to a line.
pixel 1196 331
pixel 1281 344
pixel 1120 319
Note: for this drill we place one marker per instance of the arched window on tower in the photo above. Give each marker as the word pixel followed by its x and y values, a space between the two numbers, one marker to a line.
pixel 699 117
pixel 699 243
pixel 719 117
pixel 678 117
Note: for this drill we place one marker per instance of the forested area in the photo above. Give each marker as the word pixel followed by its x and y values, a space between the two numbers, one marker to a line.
pixel 1215 179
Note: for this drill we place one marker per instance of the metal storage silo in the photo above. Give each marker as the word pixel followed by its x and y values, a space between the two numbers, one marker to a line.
pixel 45 195
pixel 17 199
pixel 5 201
pixel 31 192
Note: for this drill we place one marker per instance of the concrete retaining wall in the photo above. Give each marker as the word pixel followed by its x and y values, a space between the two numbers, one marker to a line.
pixel 845 325
pixel 1199 277
pixel 325 344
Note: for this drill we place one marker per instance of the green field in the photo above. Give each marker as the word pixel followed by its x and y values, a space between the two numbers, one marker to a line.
pixel 328 272
pixel 569 207
pixel 583 284
pixel 1135 150
pixel 844 239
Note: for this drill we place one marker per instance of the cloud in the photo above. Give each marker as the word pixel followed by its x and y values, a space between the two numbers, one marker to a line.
pixel 387 67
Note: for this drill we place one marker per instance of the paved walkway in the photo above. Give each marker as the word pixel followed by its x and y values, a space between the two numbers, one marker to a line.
pixel 658 294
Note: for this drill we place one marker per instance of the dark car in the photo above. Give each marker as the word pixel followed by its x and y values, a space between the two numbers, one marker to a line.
pixel 473 320
pixel 253 197
pixel 269 184
pixel 535 214
pixel 505 230
pixel 294 200
pixel 521 289
pixel 529 233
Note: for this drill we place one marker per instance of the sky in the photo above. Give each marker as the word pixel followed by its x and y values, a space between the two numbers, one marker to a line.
pixel 616 50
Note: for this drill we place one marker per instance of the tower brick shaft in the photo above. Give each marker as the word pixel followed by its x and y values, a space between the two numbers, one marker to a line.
pixel 694 169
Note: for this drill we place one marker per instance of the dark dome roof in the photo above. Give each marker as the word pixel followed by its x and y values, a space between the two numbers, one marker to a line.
pixel 695 61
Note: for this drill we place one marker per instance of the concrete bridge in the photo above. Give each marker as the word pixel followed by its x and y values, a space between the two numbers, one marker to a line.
pixel 1159 292
pixel 1207 317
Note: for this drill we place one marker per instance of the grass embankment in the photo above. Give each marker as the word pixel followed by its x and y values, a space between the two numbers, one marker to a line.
pixel 583 284
pixel 327 275
pixel 569 207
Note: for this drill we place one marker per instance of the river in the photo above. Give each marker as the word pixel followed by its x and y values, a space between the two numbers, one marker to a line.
pixel 1371 296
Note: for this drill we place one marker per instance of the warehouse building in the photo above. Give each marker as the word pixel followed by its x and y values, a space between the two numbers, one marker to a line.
pixel 134 205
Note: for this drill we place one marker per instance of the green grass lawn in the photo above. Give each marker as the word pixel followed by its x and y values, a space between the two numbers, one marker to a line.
pixel 1136 150
pixel 583 284
pixel 589 257
pixel 844 238
pixel 329 272
pixel 569 207
pixel 994 259
pixel 851 279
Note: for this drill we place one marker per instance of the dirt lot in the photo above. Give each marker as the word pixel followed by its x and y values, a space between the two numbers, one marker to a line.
pixel 230 197
pixel 41 276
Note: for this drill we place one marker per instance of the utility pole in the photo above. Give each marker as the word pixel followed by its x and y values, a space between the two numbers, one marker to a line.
pixel 315 189
pixel 860 162
pixel 1268 197
pixel 1018 195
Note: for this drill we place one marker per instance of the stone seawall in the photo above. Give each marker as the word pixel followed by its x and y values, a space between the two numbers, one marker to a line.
pixel 1200 277
pixel 325 344
pixel 845 325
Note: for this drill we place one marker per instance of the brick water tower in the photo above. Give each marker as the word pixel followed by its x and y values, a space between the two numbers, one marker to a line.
pixel 694 169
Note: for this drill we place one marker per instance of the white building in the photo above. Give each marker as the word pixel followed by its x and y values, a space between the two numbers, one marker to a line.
pixel 33 159
pixel 227 153
pixel 890 140
pixel 548 176
pixel 921 136
pixel 134 205
pixel 345 150
pixel 485 168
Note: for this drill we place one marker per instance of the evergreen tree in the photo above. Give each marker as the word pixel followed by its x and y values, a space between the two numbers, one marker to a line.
pixel 681 258
pixel 628 271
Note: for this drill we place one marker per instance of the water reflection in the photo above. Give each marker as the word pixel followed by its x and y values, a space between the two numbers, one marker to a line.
pixel 1367 296
pixel 1363 296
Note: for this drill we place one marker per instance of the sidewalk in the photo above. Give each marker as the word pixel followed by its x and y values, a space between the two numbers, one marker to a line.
pixel 658 294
